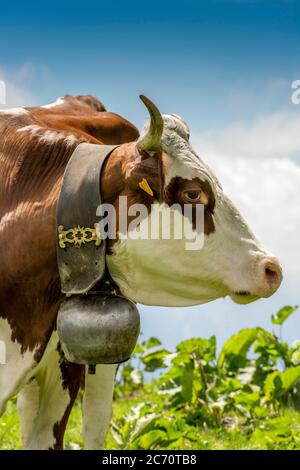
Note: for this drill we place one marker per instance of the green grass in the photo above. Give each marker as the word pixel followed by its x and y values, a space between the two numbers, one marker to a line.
pixel 10 436
pixel 198 399
pixel 277 433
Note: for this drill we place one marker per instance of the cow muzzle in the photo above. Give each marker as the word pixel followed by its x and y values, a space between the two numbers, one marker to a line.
pixel 264 280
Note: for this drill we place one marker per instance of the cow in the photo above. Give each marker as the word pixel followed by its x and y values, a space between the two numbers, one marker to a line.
pixel 36 144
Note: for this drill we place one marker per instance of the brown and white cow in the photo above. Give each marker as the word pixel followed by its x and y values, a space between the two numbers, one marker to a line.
pixel 35 145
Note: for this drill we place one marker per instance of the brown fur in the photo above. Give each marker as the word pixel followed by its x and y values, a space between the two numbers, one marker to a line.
pixel 72 377
pixel 30 179
pixel 29 187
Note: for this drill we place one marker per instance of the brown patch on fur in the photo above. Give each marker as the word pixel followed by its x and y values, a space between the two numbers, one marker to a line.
pixel 174 194
pixel 121 175
pixel 71 375
pixel 81 104
pixel 124 170
pixel 86 116
pixel 30 179
pixel 30 286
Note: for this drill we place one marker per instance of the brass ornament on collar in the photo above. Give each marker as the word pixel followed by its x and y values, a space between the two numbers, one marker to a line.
pixel 78 236
pixel 80 252
pixel 93 327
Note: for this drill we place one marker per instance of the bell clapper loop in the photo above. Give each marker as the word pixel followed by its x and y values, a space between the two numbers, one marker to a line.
pixel 92 369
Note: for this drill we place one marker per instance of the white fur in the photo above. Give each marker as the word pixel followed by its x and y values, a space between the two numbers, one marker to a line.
pixel 18 365
pixel 54 398
pixel 32 128
pixel 28 407
pixel 48 136
pixel 53 136
pixel 59 102
pixel 153 272
pixel 164 272
pixel 97 405
pixel 147 271
pixel 183 160
pixel 43 401
pixel 14 111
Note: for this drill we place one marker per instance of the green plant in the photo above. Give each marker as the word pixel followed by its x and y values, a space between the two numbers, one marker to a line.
pixel 253 378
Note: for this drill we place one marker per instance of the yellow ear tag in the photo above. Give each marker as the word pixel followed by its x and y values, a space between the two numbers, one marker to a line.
pixel 144 185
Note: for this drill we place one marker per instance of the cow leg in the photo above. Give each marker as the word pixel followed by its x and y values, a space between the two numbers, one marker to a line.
pixel 58 382
pixel 18 365
pixel 28 406
pixel 97 405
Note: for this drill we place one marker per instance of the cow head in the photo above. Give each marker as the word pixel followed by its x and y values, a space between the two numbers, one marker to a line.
pixel 162 169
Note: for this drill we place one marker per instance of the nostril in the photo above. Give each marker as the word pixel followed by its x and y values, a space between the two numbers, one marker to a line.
pixel 273 273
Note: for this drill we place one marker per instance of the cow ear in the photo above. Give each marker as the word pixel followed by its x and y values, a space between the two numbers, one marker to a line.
pixel 150 141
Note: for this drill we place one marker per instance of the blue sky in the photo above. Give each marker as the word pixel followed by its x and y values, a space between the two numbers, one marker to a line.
pixel 191 56
pixel 226 66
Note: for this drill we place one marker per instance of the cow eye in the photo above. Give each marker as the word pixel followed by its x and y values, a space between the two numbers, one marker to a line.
pixel 192 196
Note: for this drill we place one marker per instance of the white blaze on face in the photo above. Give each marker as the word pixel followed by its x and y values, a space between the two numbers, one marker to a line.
pixel 141 264
pixel 231 261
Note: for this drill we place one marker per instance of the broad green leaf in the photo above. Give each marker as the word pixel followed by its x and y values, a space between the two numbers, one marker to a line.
pixel 237 346
pixel 138 350
pixel 151 343
pixel 143 425
pixel 273 387
pixel 269 348
pixel 182 359
pixel 290 377
pixel 171 427
pixel 152 438
pixel 201 348
pixel 247 399
pixel 187 384
pixel 278 383
pixel 170 391
pixel 294 353
pixel 295 358
pixel 260 412
pixel 126 370
pixel 191 433
pixel 155 359
pixel 283 314
pixel 193 396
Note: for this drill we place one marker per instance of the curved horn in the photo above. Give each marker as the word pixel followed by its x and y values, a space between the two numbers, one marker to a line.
pixel 150 142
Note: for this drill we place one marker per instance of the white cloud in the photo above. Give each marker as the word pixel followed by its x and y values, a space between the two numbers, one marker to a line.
pixel 267 192
pixel 266 188
pixel 17 93
pixel 274 135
